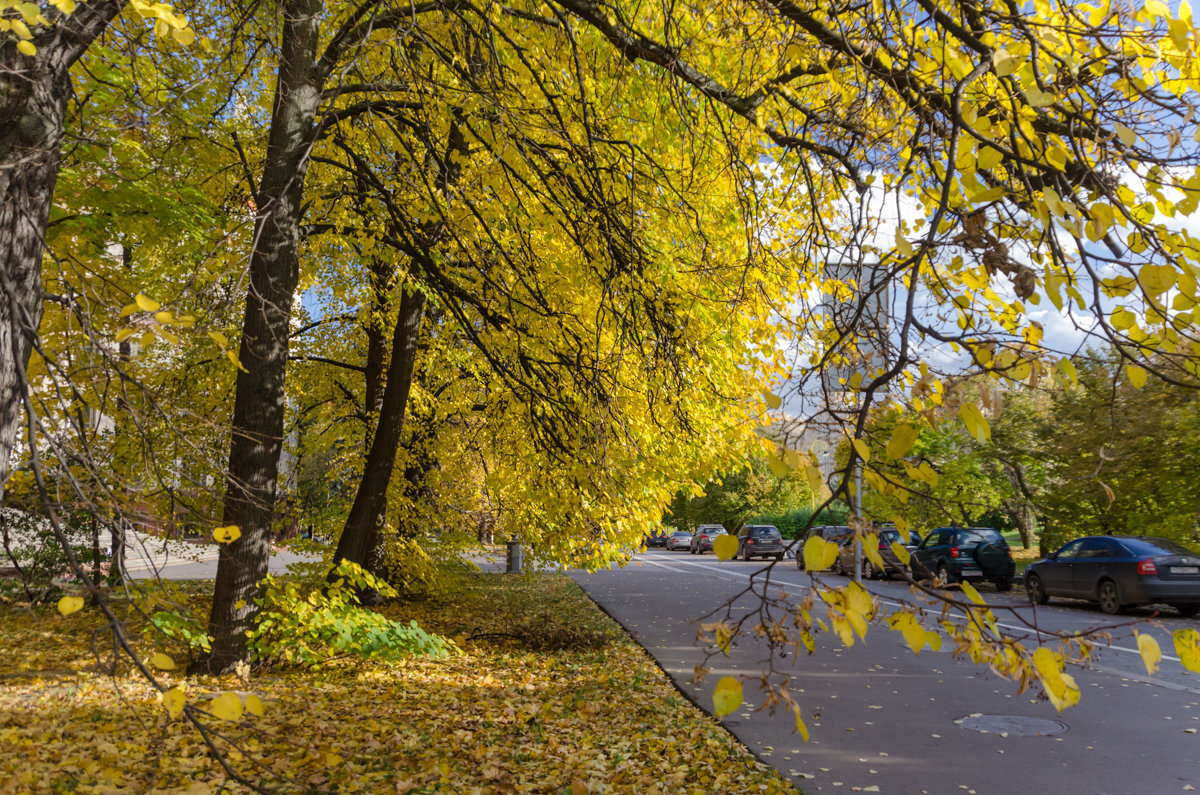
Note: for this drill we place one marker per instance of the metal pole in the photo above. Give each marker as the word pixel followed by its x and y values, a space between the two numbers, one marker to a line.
pixel 858 550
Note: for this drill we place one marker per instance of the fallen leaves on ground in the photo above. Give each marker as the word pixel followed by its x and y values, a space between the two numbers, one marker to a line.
pixel 546 697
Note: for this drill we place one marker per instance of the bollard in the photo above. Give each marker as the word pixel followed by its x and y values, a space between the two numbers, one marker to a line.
pixel 514 557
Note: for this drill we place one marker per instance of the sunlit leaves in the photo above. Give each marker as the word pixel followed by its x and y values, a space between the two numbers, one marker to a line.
pixel 1136 375
pixel 901 552
pixel 70 604
pixel 862 448
pixel 727 695
pixel 1059 687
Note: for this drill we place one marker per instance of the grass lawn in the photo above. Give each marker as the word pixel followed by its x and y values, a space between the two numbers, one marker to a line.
pixel 546 696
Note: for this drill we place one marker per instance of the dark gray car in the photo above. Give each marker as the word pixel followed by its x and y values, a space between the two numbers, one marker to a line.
pixel 760 541
pixel 702 539
pixel 1115 571
pixel 955 554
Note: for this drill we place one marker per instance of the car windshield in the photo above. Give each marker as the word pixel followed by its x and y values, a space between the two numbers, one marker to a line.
pixel 981 535
pixel 1156 546
pixel 890 537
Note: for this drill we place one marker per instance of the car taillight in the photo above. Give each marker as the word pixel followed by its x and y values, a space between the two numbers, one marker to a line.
pixel 749 540
pixel 954 552
pixel 1147 567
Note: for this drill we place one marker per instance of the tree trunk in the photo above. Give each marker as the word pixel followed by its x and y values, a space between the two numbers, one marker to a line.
pixel 360 534
pixel 33 104
pixel 258 411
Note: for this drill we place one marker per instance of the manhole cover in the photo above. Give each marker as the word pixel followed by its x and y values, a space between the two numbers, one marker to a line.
pixel 1018 725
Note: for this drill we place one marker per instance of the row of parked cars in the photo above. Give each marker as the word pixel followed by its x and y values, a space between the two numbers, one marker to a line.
pixel 1113 571
pixel 754 540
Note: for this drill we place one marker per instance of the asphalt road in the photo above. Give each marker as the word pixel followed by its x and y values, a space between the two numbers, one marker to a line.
pixel 885 720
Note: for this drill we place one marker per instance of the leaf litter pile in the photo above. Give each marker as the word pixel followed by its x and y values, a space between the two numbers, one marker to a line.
pixel 545 696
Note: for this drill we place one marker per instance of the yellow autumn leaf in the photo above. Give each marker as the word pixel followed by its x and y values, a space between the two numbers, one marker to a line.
pixel 727 696
pixel 915 636
pixel 817 555
pixel 254 705
pixel 226 706
pixel 976 425
pixel 124 334
pixel 842 629
pixel 173 701
pixel 779 467
pixel 801 726
pixel 725 547
pixel 162 662
pixel 26 47
pixel 971 593
pixel 1150 651
pixel 933 640
pixel 224 535
pixel 70 604
pixel 901 552
pixel 871 549
pixel 904 436
pixel 1137 376
pixel 146 304
pixel 773 400
pixel 1187 646
pixel 860 447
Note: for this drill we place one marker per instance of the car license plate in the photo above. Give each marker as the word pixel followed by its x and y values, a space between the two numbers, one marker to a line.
pixel 1185 569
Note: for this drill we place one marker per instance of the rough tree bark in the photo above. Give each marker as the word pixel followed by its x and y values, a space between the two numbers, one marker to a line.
pixel 258 411
pixel 360 533
pixel 34 91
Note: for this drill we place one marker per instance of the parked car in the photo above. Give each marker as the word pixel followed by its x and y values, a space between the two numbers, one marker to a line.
pixel 702 539
pixel 680 539
pixel 656 538
pixel 760 541
pixel 1116 571
pixel 965 553
pixel 892 565
pixel 835 533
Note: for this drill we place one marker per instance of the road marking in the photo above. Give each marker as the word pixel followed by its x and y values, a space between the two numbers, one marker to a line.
pixel 1026 631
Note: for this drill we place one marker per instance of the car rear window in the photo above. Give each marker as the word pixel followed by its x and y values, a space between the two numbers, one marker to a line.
pixel 762 532
pixel 681 534
pixel 1156 546
pixel 976 536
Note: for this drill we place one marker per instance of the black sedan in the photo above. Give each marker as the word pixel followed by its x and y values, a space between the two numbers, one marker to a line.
pixel 1116 571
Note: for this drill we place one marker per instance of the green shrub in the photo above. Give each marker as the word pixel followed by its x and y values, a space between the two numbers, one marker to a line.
pixel 309 628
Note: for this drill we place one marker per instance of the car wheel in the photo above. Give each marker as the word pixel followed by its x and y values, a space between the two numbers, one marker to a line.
pixel 868 570
pixel 745 554
pixel 778 556
pixel 943 574
pixel 1003 584
pixel 1187 611
pixel 1035 590
pixel 1109 597
pixel 800 562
